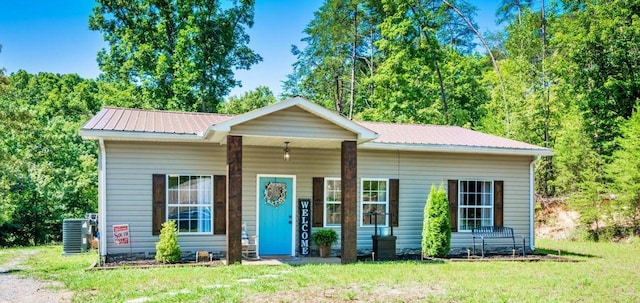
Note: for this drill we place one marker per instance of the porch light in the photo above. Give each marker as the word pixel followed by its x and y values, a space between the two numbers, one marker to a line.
pixel 287 156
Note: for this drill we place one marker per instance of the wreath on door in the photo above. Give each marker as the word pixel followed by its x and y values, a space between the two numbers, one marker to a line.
pixel 275 193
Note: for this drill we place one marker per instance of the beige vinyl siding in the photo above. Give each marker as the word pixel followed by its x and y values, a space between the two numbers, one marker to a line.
pixel 131 164
pixel 293 122
pixel 418 171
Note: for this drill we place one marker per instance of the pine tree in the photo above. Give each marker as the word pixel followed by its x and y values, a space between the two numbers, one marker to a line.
pixel 167 249
pixel 436 230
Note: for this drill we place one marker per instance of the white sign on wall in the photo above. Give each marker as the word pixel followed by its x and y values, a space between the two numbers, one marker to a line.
pixel 121 234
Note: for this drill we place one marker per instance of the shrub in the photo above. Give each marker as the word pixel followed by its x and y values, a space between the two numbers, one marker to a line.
pixel 436 229
pixel 324 237
pixel 167 248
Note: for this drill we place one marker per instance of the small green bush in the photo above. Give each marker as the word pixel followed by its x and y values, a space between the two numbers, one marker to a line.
pixel 436 229
pixel 167 249
pixel 324 237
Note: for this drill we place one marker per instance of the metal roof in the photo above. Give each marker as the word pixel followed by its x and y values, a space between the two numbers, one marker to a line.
pixel 391 133
pixel 127 123
pixel 152 121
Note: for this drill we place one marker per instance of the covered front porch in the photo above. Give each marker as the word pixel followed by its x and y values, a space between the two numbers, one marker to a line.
pixel 306 127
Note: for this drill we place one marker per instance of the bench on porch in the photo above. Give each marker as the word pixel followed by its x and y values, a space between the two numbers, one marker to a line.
pixel 494 232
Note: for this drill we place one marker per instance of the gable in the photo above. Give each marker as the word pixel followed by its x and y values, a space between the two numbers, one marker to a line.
pixel 292 122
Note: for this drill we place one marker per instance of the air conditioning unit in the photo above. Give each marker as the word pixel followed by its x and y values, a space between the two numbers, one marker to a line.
pixel 75 234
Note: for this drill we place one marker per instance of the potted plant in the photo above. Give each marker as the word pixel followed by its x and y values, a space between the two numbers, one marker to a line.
pixel 324 238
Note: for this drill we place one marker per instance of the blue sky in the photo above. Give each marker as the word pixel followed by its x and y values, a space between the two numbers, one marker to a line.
pixel 53 36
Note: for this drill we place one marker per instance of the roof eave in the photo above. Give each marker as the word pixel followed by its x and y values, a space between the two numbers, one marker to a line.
pixel 138 136
pixel 457 149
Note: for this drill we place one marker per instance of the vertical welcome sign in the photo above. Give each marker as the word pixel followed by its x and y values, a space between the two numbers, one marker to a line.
pixel 304 226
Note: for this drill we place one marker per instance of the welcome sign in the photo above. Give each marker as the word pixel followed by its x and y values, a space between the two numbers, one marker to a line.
pixel 304 226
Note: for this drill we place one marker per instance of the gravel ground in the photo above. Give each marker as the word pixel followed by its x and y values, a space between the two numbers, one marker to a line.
pixel 16 289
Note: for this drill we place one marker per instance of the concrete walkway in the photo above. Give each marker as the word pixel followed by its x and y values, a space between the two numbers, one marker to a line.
pixel 281 260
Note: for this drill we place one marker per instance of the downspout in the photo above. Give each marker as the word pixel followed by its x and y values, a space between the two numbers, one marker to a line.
pixel 532 202
pixel 102 198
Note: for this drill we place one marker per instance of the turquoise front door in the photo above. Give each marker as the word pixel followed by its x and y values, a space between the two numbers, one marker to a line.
pixel 275 208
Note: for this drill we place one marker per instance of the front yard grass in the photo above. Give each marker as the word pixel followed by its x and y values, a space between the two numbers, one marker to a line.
pixel 607 272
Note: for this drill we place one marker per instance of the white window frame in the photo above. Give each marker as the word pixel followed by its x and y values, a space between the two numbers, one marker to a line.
pixel 327 202
pixel 462 207
pixel 170 205
pixel 385 202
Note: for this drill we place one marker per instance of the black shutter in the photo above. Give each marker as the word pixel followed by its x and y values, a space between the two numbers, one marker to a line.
pixel 452 190
pixel 394 201
pixel 219 205
pixel 498 205
pixel 318 202
pixel 159 203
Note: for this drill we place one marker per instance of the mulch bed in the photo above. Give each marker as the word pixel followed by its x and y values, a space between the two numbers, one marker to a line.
pixel 456 258
pixel 153 264
pixel 487 258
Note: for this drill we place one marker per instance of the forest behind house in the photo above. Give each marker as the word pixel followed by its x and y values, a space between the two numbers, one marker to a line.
pixel 559 74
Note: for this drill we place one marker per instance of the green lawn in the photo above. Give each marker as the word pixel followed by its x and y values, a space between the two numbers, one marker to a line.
pixel 607 272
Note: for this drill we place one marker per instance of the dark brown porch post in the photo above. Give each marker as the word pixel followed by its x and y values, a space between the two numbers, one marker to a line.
pixel 234 199
pixel 349 170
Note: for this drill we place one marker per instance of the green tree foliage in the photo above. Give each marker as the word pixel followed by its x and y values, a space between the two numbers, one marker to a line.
pixel 167 248
pixel 590 201
pixel 425 66
pixel 258 98
pixel 436 229
pixel 601 41
pixel 180 55
pixel 339 56
pixel 624 171
pixel 4 81
pixel 47 172
pixel 575 156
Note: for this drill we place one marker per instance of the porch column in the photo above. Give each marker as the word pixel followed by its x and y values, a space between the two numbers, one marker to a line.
pixel 234 199
pixel 349 212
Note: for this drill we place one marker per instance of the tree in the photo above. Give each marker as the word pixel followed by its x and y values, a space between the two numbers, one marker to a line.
pixel 4 81
pixel 47 172
pixel 339 55
pixel 574 153
pixel 624 171
pixel 436 229
pixel 180 54
pixel 167 248
pixel 511 10
pixel 251 100
pixel 601 40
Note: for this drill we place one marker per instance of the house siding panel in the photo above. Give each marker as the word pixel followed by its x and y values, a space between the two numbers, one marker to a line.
pixel 131 164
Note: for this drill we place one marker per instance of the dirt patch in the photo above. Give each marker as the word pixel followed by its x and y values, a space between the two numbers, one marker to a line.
pixel 554 220
pixel 23 290
pixel 15 289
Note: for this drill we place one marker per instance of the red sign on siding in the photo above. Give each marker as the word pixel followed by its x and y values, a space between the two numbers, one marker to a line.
pixel 121 234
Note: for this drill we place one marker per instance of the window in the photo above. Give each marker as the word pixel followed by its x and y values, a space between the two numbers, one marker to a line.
pixel 475 205
pixel 332 202
pixel 374 199
pixel 189 202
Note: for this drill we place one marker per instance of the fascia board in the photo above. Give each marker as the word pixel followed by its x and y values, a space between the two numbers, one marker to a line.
pixel 138 136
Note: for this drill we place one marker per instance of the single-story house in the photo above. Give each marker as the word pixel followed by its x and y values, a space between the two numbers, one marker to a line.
pixel 277 171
